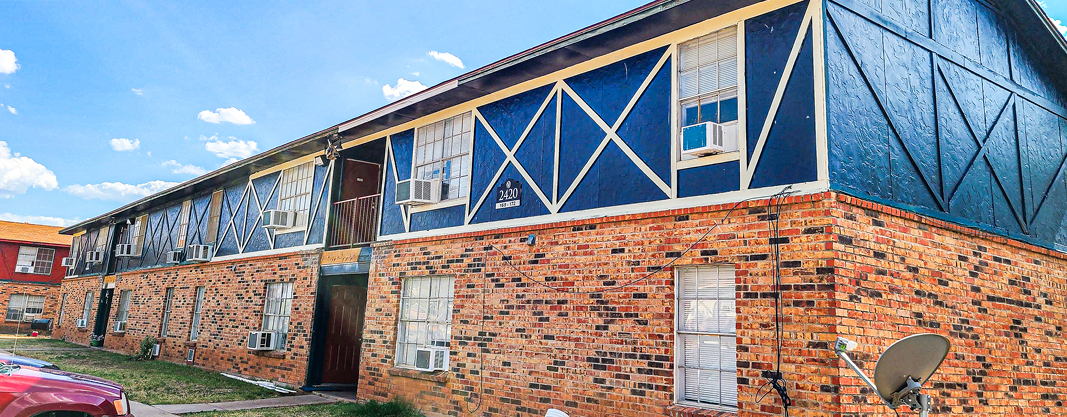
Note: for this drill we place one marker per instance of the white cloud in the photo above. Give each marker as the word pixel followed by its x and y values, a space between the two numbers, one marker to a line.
pixel 1059 26
pixel 138 91
pixel 123 144
pixel 7 85
pixel 447 58
pixel 117 191
pixel 185 169
pixel 228 115
pixel 45 220
pixel 12 110
pixel 228 162
pixel 403 89
pixel 233 148
pixel 368 80
pixel 8 63
pixel 18 173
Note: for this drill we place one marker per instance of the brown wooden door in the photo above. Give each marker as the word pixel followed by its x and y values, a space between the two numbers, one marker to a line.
pixel 344 334
pixel 359 179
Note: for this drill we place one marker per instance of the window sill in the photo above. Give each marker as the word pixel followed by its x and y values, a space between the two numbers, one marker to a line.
pixel 288 231
pixel 118 334
pixel 709 160
pixel 83 329
pixel 439 376
pixel 273 354
pixel 459 201
pixel 679 410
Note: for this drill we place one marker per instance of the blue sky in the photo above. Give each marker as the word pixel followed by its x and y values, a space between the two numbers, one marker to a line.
pixel 102 103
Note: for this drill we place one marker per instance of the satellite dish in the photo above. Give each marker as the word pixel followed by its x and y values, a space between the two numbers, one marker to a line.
pixel 902 369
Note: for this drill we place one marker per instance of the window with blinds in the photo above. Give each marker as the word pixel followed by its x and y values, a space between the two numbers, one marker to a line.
pixel 167 305
pixel 425 316
pixel 707 81
pixel 277 308
pixel 183 223
pixel 198 307
pixel 706 336
pixel 23 306
pixel 87 309
pixel 32 260
pixel 214 214
pixel 124 306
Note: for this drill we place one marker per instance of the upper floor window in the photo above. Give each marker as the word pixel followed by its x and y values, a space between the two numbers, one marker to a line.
pixel 214 214
pixel 183 223
pixel 707 84
pixel 22 306
pixel 295 193
pixel 101 239
pixel 706 336
pixel 34 260
pixel 442 150
pixel 75 248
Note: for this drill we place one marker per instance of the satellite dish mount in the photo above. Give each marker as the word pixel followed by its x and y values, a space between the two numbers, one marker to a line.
pixel 902 369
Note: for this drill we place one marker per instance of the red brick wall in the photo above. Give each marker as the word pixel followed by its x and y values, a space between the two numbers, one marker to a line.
pixel 233 306
pixel 51 303
pixel 850 267
pixel 75 289
pixel 1000 302
pixel 602 354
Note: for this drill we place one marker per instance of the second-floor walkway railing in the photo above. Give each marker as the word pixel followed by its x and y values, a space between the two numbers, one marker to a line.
pixel 353 221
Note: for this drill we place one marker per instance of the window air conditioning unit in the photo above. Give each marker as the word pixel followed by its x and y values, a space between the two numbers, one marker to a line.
pixel 94 256
pixel 431 359
pixel 124 250
pixel 120 326
pixel 68 262
pixel 24 269
pixel 264 340
pixel 704 139
pixel 82 323
pixel 199 253
pixel 278 219
pixel 174 257
pixel 415 192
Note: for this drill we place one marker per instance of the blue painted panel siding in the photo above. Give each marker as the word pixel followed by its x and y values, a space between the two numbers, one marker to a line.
pixel 644 130
pixel 537 152
pixel 608 89
pixel 438 219
pixel 633 99
pixel 403 147
pixel 768 40
pixel 510 117
pixel 531 205
pixel 392 221
pixel 709 179
pixel 958 144
pixel 320 204
pixel 790 144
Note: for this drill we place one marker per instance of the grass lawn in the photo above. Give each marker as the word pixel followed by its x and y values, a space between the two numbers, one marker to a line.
pixel 151 382
pixel 370 409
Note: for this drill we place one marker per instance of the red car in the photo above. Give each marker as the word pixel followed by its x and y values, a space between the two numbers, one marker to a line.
pixel 33 392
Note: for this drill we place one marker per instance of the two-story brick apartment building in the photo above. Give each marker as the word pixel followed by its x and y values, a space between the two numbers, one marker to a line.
pixel 598 224
pixel 30 272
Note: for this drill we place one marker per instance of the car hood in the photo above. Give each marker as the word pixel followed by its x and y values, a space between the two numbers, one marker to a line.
pixel 31 379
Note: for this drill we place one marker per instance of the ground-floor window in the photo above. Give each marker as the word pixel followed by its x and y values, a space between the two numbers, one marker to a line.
pixel 706 336
pixel 166 312
pixel 22 306
pixel 124 307
pixel 87 309
pixel 62 309
pixel 194 325
pixel 425 316
pixel 277 307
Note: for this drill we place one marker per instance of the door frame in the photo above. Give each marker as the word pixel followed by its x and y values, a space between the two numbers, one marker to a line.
pixel 320 322
pixel 103 313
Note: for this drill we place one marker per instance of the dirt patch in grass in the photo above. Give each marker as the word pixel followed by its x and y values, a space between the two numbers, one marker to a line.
pixel 393 408
pixel 150 382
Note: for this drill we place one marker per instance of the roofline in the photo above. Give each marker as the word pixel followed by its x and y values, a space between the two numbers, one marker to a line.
pixel 34 243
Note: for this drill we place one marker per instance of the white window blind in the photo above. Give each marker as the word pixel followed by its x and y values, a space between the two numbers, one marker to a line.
pixel 295 192
pixel 124 306
pixel 277 307
pixel 87 309
pixel 708 63
pixel 706 336
pixel 194 327
pixel 442 150
pixel 183 223
pixel 62 309
pixel 21 306
pixel 166 312
pixel 425 316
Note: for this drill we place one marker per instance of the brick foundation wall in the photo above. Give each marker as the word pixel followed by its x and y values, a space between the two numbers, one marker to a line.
pixel 611 353
pixel 233 306
pixel 51 303
pixel 851 267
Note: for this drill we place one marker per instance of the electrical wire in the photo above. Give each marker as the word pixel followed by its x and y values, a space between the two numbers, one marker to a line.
pixel 655 271
pixel 776 383
pixel 481 333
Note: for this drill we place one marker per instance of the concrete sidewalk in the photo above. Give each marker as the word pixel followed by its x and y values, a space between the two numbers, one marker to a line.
pixel 244 405
pixel 145 410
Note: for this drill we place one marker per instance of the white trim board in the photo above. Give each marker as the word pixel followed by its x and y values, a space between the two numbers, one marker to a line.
pixel 266 253
pixel 640 208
